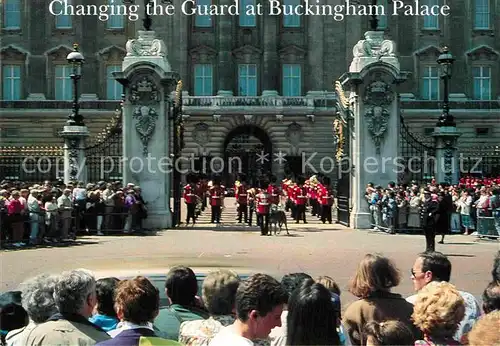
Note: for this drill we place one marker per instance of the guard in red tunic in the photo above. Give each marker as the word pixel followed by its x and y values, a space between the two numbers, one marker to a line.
pixel 216 199
pixel 242 199
pixel 301 200
pixel 326 200
pixel 262 205
pixel 274 191
pixel 190 198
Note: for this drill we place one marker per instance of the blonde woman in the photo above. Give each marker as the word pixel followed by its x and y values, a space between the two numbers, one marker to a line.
pixel 486 331
pixel 438 311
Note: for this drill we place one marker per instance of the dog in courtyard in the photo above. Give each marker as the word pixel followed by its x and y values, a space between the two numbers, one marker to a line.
pixel 277 219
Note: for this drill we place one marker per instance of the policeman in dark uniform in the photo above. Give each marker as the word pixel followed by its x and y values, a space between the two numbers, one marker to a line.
pixel 428 216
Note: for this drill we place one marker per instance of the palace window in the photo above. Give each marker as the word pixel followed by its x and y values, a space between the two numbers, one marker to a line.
pixel 431 22
pixel 292 80
pixel 11 83
pixel 203 21
pixel 203 80
pixel 247 20
pixel 291 20
pixel 116 21
pixel 430 83
pixel 247 80
pixel 63 21
pixel 63 83
pixel 481 14
pixel 113 88
pixel 382 19
pixel 482 82
pixel 12 14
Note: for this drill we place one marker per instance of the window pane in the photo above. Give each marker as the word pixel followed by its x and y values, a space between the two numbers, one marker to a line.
pixel 12 14
pixel 435 89
pixel 203 21
pixel 242 70
pixel 481 14
pixel 207 86
pixel 486 72
pixel 62 21
pixel 477 89
pixel 476 71
pixel 291 21
pixel 252 70
pixel 113 88
pixel 252 87
pixel 244 18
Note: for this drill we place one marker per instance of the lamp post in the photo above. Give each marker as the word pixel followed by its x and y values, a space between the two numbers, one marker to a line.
pixel 445 61
pixel 75 59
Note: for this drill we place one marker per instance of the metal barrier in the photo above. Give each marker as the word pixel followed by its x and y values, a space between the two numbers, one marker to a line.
pixel 487 227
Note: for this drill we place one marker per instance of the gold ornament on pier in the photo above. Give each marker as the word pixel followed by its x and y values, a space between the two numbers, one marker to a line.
pixel 344 101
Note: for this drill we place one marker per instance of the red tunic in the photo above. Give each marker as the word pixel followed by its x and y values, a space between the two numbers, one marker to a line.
pixel 241 194
pixel 189 194
pixel 262 202
pixel 216 195
pixel 274 194
pixel 326 194
pixel 301 195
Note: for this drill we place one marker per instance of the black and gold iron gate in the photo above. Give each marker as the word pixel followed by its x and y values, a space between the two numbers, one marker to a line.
pixel 103 157
pixel 342 130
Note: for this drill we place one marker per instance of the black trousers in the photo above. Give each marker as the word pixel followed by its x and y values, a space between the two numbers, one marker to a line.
pixel 243 212
pixel 430 238
pixel 300 214
pixel 326 213
pixel 191 208
pixel 263 222
pixel 216 211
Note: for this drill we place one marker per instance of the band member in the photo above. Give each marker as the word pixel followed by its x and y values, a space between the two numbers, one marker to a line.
pixel 201 190
pixel 241 196
pixel 216 199
pixel 325 193
pixel 428 217
pixel 262 205
pixel 251 193
pixel 273 191
pixel 300 200
pixel 190 198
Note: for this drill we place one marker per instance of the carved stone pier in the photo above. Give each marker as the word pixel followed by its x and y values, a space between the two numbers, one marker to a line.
pixel 372 80
pixel 148 82
pixel 75 168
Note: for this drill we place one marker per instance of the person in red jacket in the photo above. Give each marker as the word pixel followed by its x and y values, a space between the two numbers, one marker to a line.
pixel 262 205
pixel 190 198
pixel 216 199
pixel 301 199
pixel 241 196
pixel 15 212
pixel 326 200
pixel 274 191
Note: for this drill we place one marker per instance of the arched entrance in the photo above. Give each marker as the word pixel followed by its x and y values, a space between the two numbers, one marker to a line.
pixel 243 149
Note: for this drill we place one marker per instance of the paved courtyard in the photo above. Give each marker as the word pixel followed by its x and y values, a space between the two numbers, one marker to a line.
pixel 333 250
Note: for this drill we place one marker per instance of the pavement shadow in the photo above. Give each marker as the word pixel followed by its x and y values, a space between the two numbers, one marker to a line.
pixel 459 255
pixel 11 247
pixel 446 243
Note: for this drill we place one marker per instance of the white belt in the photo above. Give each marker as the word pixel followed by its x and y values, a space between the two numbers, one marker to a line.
pixel 242 195
pixel 215 196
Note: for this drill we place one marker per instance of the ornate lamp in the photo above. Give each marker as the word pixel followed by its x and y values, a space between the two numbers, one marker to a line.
pixel 445 61
pixel 75 59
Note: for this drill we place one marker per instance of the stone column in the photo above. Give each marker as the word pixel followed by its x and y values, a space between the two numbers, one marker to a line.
pixel 75 168
pixel 315 44
pixel 225 59
pixel 447 164
pixel 148 80
pixel 372 81
pixel 271 67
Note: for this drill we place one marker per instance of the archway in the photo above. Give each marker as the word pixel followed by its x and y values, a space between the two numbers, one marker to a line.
pixel 247 149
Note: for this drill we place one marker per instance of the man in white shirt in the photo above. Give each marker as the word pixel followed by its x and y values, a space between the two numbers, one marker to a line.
pixel 434 267
pixel 259 304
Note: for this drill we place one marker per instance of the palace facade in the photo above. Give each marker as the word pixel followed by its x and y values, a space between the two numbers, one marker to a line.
pixel 251 83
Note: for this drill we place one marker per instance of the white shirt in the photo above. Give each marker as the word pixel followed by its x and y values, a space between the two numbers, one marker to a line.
pixel 472 313
pixel 227 336
pixel 126 326
pixel 278 334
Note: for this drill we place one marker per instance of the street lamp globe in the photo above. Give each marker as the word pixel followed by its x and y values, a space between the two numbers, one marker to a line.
pixel 76 59
pixel 445 60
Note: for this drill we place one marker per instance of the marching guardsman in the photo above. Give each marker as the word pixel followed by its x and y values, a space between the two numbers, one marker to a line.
pixel 313 195
pixel 202 190
pixel 262 205
pixel 274 191
pixel 292 196
pixel 216 199
pixel 300 200
pixel 241 196
pixel 190 198
pixel 325 195
pixel 251 194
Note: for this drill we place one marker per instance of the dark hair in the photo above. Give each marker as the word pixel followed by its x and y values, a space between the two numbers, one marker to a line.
pixel 312 318
pixel 389 333
pixel 181 285
pixel 491 297
pixel 438 264
pixel 105 290
pixel 259 292
pixel 290 282
pixel 495 273
pixel 12 314
pixel 139 300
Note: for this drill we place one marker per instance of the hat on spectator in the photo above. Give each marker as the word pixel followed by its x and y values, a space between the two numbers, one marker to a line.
pixel 12 314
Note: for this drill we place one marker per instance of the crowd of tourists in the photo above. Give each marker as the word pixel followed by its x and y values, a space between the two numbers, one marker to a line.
pixel 471 207
pixel 53 213
pixel 74 308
